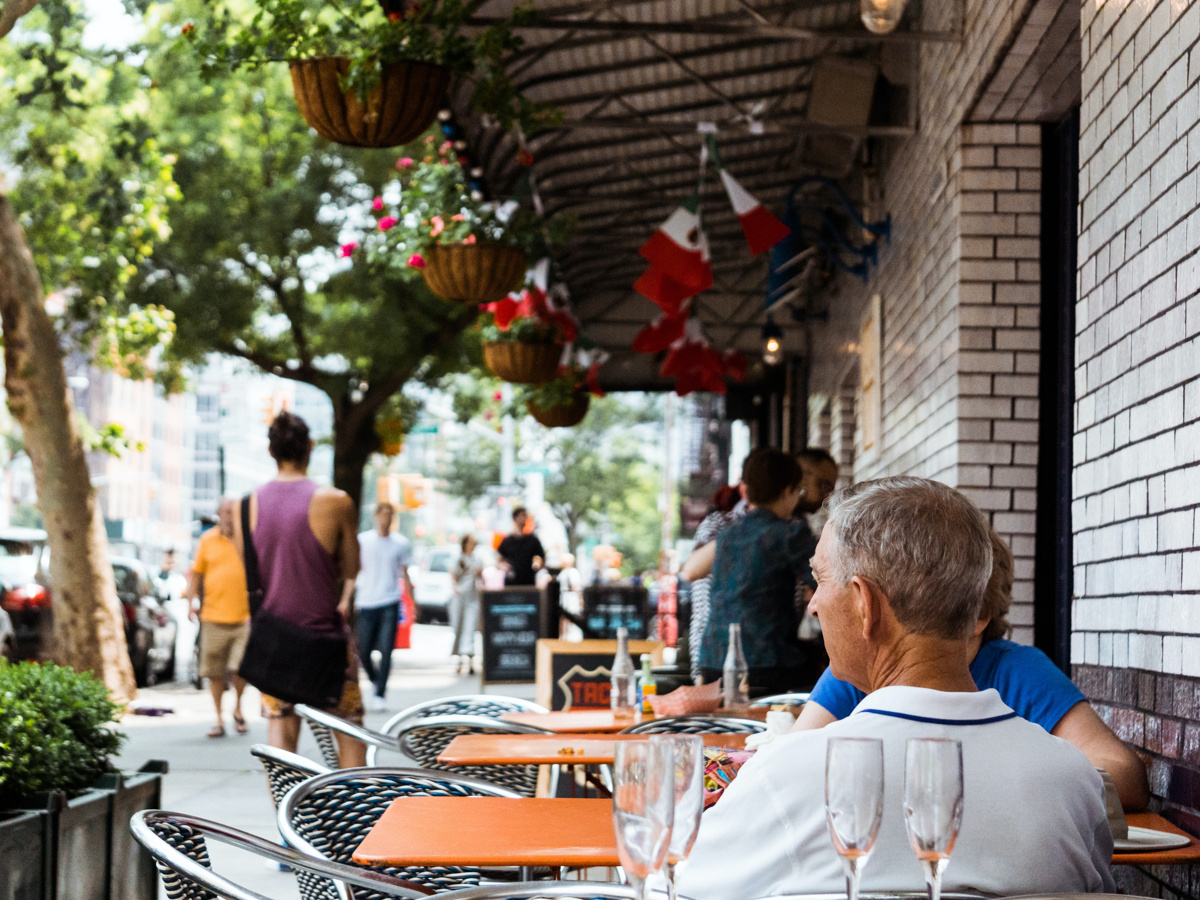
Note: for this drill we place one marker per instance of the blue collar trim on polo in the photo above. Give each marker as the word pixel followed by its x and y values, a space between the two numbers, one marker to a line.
pixel 934 721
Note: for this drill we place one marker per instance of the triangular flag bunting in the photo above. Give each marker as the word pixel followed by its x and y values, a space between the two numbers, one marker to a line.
pixel 663 290
pixel 659 334
pixel 679 249
pixel 763 231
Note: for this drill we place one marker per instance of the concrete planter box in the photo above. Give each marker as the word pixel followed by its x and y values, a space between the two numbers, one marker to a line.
pixel 81 849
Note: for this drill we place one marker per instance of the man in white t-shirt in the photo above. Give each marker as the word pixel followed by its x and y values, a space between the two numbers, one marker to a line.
pixel 901 569
pixel 384 558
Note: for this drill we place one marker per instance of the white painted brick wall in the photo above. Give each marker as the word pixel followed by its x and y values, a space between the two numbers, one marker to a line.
pixel 1136 483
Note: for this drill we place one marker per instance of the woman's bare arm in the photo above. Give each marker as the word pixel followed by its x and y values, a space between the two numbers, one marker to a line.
pixel 1104 750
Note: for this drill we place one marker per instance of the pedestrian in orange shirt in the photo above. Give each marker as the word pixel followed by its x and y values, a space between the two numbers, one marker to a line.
pixel 224 614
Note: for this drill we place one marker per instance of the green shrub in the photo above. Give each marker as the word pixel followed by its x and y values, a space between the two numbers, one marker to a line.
pixel 55 731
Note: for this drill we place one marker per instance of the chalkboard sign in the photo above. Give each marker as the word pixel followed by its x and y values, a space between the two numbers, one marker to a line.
pixel 611 606
pixel 577 674
pixel 510 634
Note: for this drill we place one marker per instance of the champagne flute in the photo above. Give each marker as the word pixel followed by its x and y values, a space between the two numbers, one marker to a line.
pixel 853 802
pixel 933 803
pixel 643 807
pixel 689 799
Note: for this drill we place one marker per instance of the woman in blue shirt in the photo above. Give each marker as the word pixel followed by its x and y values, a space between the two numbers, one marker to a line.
pixel 1027 681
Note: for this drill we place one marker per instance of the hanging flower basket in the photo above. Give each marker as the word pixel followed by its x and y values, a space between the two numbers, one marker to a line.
pixel 397 110
pixel 564 415
pixel 522 363
pixel 474 273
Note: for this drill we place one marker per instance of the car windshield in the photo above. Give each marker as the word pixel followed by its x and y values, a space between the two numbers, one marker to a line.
pixel 18 559
pixel 127 580
pixel 439 562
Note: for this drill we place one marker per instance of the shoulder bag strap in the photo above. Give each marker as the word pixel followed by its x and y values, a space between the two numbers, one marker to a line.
pixel 250 559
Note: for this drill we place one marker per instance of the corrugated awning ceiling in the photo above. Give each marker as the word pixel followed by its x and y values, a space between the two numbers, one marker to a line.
pixel 634 80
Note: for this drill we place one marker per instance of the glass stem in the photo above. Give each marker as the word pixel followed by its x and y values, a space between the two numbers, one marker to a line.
pixel 933 879
pixel 669 871
pixel 851 868
pixel 638 885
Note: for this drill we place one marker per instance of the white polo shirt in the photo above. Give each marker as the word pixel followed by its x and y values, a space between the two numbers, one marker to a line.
pixel 1033 809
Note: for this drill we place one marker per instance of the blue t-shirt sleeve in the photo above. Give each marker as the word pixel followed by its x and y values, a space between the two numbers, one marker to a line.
pixel 1026 680
pixel 837 697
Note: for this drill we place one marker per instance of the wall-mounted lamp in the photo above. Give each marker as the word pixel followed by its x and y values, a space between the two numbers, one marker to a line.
pixel 772 336
pixel 881 16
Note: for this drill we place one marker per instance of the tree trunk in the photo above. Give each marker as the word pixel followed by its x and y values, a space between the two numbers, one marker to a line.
pixel 352 447
pixel 89 634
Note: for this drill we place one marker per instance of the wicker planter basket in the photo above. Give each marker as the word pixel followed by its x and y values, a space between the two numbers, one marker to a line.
pixel 474 273
pixel 563 416
pixel 399 109
pixel 520 363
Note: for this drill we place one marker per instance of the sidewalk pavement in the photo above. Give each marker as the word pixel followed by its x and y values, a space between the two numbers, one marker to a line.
pixel 217 778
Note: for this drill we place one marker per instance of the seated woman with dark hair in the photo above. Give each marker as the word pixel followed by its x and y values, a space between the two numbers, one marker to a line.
pixel 1026 680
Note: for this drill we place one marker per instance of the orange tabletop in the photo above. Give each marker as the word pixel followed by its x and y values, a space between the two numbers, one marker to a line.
pixel 583 721
pixel 548 749
pixel 1179 857
pixel 491 831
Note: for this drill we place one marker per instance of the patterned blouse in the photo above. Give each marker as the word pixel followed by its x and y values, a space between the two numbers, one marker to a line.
pixel 758 563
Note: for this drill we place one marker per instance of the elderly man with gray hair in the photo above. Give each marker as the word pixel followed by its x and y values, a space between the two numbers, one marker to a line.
pixel 901 569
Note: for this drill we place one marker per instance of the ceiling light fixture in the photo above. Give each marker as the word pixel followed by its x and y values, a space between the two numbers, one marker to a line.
pixel 772 336
pixel 881 16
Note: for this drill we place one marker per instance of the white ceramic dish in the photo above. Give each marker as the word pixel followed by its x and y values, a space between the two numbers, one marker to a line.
pixel 1146 839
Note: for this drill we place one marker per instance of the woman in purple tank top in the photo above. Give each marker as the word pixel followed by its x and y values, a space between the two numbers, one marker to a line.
pixel 306 539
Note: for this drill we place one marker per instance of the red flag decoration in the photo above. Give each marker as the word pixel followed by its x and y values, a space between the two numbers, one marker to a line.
pixel 593 378
pixel 763 231
pixel 660 334
pixel 504 311
pixel 679 250
pixel 662 290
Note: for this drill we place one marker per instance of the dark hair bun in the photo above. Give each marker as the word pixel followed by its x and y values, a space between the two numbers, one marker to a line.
pixel 288 438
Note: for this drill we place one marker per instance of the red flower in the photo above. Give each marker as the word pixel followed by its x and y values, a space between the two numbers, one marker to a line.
pixel 469 239
pixel 416 261
pixel 458 217
pixel 524 157
pixel 497 396
pixel 377 204
pixel 395 17
pixel 503 311
pixel 347 249
pixel 387 222
pixel 188 29
pixel 566 324
pixel 404 162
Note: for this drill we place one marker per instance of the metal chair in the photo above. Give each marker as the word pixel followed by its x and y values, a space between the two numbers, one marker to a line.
pixel 328 816
pixel 327 724
pixel 177 842
pixel 285 770
pixel 789 699
pixel 697 725
pixel 489 705
pixel 322 732
pixel 424 738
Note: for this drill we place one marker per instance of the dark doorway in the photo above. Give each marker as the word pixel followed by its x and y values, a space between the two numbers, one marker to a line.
pixel 1053 580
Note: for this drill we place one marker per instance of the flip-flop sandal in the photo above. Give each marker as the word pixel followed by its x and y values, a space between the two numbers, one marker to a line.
pixel 240 725
pixel 216 731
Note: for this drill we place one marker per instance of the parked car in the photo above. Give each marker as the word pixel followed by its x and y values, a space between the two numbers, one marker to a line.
pixel 24 597
pixel 149 628
pixel 432 584
pixel 8 638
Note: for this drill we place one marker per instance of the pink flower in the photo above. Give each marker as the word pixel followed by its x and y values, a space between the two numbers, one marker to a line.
pixel 404 162
pixel 469 239
pixel 429 138
pixel 387 222
pixel 438 226
pixel 377 204
pixel 497 396
pixel 458 217
pixel 347 249
pixel 445 148
pixel 416 261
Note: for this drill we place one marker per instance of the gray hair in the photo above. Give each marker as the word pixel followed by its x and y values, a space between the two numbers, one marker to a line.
pixel 925 545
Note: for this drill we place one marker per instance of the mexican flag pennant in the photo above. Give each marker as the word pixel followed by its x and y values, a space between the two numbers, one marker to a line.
pixel 660 334
pixel 663 290
pixel 679 250
pixel 763 231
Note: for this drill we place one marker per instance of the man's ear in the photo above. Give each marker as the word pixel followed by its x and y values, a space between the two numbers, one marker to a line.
pixel 867 601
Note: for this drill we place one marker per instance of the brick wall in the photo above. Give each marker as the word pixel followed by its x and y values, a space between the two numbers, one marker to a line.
pixel 998 338
pixel 1137 415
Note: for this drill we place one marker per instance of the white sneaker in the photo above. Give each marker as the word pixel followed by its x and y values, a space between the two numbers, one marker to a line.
pixel 375 703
